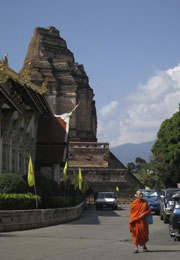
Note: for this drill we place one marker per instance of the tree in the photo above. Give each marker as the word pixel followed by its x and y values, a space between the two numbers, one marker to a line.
pixel 131 167
pixel 144 172
pixel 166 151
pixel 139 162
pixel 147 175
pixel 134 167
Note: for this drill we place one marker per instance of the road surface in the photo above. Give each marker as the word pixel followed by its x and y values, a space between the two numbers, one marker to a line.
pixel 98 235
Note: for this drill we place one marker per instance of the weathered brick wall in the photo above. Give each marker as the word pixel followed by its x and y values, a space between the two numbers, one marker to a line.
pixel 104 179
pixel 11 220
pixel 101 169
pixel 88 154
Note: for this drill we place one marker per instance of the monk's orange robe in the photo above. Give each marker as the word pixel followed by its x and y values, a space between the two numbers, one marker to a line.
pixel 138 226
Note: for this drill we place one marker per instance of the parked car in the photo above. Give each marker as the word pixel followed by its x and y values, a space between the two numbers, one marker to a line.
pixel 106 200
pixel 174 218
pixel 153 197
pixel 166 203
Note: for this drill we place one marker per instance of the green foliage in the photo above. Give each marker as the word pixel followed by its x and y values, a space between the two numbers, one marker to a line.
pixel 12 183
pixel 45 187
pixel 166 151
pixel 60 202
pixel 55 202
pixel 147 175
pixel 13 201
pixel 168 142
pixel 13 186
pixel 139 162
pixel 131 167
pixel 144 172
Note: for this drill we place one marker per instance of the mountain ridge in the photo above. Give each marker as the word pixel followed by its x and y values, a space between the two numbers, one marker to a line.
pixel 129 152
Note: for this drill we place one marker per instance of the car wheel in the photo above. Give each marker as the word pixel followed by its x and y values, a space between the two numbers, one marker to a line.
pixel 177 239
pixel 170 232
pixel 161 215
pixel 165 218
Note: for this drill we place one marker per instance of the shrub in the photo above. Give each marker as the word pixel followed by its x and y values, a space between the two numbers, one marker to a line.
pixel 55 202
pixel 44 186
pixel 60 202
pixel 15 201
pixel 71 201
pixel 12 183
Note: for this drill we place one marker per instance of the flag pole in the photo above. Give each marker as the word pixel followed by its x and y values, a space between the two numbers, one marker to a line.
pixel 36 196
pixel 65 193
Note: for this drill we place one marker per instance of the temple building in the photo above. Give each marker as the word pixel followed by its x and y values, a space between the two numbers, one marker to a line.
pixel 68 87
pixel 23 110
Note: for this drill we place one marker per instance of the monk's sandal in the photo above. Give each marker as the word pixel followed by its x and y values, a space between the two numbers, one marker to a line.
pixel 136 251
pixel 145 249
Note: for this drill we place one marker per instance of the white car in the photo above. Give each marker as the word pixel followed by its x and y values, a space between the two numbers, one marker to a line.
pixel 106 200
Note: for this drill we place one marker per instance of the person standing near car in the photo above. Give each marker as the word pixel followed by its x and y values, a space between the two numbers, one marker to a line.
pixel 137 224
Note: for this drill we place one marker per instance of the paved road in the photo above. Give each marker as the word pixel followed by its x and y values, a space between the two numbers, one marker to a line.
pixel 98 235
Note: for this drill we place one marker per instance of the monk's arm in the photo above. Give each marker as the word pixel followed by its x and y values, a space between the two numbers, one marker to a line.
pixel 148 211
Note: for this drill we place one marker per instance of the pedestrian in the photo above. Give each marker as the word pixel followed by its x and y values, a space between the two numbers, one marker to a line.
pixel 137 224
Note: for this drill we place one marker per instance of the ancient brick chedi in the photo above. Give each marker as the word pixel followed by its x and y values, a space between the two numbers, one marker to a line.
pixel 68 84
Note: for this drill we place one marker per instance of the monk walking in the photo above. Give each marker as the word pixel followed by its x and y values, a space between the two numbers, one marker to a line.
pixel 138 225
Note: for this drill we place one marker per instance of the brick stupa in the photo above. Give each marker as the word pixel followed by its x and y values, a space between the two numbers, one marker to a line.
pixel 68 85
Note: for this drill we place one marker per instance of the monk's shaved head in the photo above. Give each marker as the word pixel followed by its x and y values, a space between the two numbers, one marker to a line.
pixel 139 194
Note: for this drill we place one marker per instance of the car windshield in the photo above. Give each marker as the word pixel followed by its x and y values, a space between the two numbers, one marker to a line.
pixel 150 193
pixel 105 195
pixel 170 193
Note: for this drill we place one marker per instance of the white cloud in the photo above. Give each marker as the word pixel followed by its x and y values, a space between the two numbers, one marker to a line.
pixel 108 109
pixel 142 112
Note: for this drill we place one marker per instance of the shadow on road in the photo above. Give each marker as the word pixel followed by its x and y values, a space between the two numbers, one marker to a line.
pixel 91 216
pixel 162 251
pixel 8 235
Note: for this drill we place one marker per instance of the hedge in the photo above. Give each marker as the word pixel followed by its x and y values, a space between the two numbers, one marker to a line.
pixel 12 183
pixel 60 201
pixel 15 201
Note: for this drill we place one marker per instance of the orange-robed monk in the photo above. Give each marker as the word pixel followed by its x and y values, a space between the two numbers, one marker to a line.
pixel 138 225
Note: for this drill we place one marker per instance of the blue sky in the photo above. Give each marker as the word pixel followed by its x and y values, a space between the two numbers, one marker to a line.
pixel 130 50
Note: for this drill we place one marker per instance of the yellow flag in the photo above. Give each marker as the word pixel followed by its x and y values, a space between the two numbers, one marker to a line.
pixel 31 180
pixel 117 188
pixel 80 179
pixel 65 170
